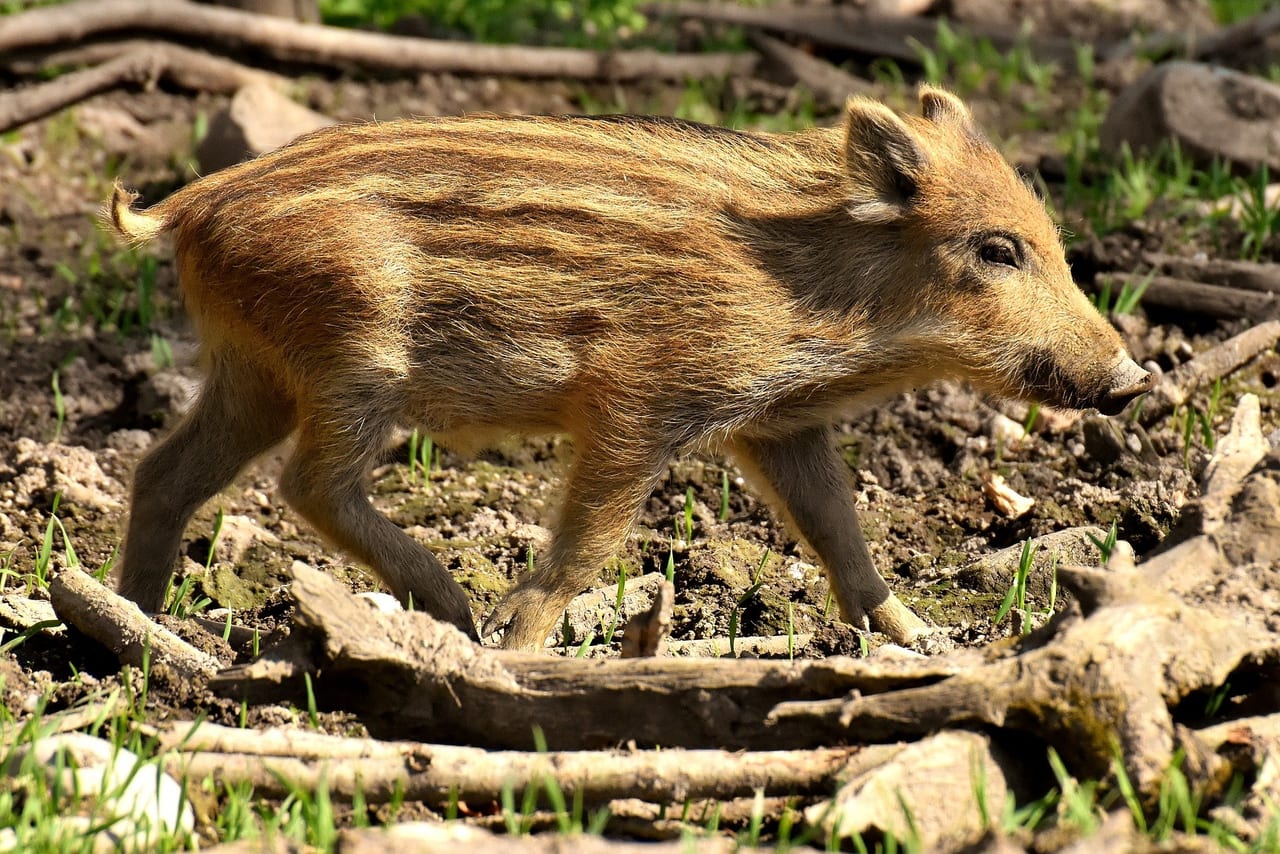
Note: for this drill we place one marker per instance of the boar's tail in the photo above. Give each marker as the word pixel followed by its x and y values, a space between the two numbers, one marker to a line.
pixel 135 226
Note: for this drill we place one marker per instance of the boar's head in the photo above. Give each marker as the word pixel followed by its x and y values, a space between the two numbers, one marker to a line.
pixel 987 294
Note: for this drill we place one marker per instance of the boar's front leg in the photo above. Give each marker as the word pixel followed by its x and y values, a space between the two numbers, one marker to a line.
pixel 324 481
pixel 808 481
pixel 606 489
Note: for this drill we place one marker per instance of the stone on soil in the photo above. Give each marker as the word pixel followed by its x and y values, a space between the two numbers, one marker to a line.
pixel 258 119
pixel 131 806
pixel 994 573
pixel 1210 112
pixel 929 790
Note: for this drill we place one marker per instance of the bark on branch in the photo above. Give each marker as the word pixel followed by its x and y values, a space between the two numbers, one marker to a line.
pixel 1175 387
pixel 120 625
pixel 278 761
pixel 851 28
pixel 291 41
pixel 1197 298
pixel 132 64
pixel 412 677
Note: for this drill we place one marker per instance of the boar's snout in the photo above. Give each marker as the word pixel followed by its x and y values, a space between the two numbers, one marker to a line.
pixel 1128 381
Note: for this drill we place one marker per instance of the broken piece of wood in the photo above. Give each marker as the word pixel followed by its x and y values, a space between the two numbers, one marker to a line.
pixel 829 83
pixel 645 635
pixel 412 677
pixel 1007 501
pixel 1176 387
pixel 1245 275
pixel 290 41
pixel 277 761
pixel 853 28
pixel 1196 298
pixel 121 627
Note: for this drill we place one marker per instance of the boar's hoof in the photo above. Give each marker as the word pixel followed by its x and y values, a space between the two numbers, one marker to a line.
pixel 1128 382
pixel 527 614
pixel 896 620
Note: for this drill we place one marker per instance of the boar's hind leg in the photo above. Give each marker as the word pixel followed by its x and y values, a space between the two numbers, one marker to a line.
pixel 324 481
pixel 602 499
pixel 809 483
pixel 239 415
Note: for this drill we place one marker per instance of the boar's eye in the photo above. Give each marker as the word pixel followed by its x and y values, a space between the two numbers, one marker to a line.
pixel 999 251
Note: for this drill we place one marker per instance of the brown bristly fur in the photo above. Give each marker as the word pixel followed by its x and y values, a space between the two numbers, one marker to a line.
pixel 640 284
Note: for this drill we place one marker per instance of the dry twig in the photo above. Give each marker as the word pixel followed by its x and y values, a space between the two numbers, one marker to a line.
pixel 1175 387
pixel 120 625
pixel 1197 298
pixel 278 761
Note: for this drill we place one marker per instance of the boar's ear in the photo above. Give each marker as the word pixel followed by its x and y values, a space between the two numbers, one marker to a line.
pixel 940 106
pixel 884 160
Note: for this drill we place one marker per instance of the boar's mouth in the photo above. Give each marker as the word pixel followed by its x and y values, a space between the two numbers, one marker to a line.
pixel 1046 380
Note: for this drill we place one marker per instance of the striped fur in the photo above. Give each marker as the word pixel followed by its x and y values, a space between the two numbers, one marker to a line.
pixel 641 284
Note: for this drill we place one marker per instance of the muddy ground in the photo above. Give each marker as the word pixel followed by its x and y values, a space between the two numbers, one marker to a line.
pixel 110 328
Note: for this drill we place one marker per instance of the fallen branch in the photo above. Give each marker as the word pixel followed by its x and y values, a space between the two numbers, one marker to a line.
pixel 141 65
pixel 430 837
pixel 769 646
pixel 1101 681
pixel 1197 547
pixel 1175 387
pixel 35 102
pixel 1236 37
pixel 412 677
pixel 276 762
pixel 848 27
pixel 1223 42
pixel 1196 298
pixel 290 41
pixel 182 66
pixel 120 625
pixel 820 77
pixel 1245 275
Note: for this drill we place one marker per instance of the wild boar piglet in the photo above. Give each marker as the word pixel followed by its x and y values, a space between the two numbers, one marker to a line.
pixel 641 284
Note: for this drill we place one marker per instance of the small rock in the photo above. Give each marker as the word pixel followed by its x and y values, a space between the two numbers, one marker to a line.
pixel 43 469
pixel 129 441
pixel 169 392
pixel 1103 441
pixel 536 536
pixel 1211 112
pixel 237 535
pixel 928 791
pixel 1005 431
pixel 382 602
pixel 258 119
pixel 591 612
pixel 143 801
pixel 994 573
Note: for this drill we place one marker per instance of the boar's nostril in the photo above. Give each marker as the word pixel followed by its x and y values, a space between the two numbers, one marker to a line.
pixel 1118 398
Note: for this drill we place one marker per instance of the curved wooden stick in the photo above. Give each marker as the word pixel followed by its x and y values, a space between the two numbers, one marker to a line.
pixel 291 41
